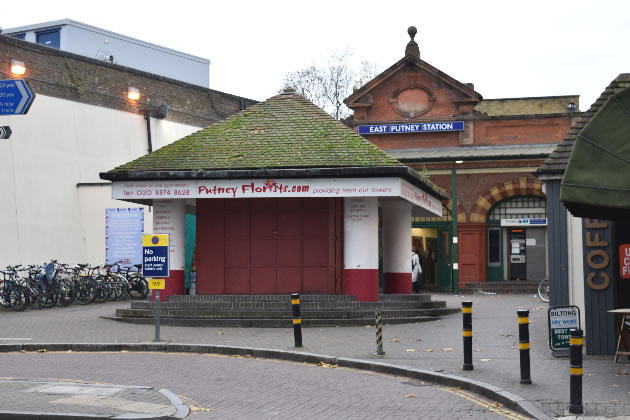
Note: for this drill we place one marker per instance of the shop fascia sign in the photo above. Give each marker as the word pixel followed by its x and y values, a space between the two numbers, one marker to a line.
pixel 524 222
pixel 264 188
pixel 423 127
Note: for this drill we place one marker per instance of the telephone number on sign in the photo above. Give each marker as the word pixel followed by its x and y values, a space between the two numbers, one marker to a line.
pixel 162 192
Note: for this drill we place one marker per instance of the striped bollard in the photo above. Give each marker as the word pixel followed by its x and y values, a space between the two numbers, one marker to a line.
pixel 467 317
pixel 297 319
pixel 523 345
pixel 379 335
pixel 575 386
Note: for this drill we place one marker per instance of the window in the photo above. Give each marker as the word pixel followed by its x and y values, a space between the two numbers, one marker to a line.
pixel 49 38
pixel 494 246
pixel 522 207
pixel 18 36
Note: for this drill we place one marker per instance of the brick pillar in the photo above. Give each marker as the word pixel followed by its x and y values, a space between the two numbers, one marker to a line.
pixel 169 216
pixel 360 228
pixel 397 247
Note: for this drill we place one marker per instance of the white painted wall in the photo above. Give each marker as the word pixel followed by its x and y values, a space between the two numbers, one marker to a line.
pixel 396 236
pixel 360 228
pixel 59 144
pixel 576 265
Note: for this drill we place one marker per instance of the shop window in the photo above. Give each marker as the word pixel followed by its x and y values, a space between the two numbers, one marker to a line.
pixel 49 38
pixel 522 207
pixel 446 217
pixel 494 247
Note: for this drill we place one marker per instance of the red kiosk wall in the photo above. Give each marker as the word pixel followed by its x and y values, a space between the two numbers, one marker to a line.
pixel 269 246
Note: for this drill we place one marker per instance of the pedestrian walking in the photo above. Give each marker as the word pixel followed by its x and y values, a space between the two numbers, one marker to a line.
pixel 416 272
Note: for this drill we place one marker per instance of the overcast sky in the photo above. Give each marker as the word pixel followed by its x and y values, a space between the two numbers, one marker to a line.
pixel 506 48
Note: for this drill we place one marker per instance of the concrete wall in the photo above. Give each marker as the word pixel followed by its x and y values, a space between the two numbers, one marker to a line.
pixel 53 202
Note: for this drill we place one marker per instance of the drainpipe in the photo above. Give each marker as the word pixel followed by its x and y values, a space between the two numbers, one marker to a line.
pixel 147 117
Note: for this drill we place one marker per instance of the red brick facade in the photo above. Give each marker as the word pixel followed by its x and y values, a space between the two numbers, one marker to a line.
pixel 412 91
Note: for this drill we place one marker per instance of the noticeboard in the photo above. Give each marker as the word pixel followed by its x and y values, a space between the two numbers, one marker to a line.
pixel 562 319
pixel 155 255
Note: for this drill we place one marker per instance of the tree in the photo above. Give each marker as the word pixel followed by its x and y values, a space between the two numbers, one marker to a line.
pixel 328 86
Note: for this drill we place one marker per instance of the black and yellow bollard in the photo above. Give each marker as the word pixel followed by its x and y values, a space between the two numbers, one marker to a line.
pixel 523 345
pixel 297 319
pixel 379 335
pixel 467 317
pixel 575 388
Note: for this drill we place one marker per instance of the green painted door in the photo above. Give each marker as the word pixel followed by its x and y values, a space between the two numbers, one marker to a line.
pixel 444 257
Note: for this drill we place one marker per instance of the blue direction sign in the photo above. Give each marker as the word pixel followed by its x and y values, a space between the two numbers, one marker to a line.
pixel 16 97
pixel 5 132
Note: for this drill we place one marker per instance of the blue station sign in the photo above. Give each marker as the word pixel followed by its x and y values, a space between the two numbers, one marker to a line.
pixel 423 127
pixel 16 97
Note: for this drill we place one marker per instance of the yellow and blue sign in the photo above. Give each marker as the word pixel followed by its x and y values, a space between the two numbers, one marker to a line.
pixel 155 255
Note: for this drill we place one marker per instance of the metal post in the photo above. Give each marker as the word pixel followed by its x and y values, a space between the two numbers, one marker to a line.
pixel 157 315
pixel 455 255
pixel 575 388
pixel 379 335
pixel 467 318
pixel 297 319
pixel 523 345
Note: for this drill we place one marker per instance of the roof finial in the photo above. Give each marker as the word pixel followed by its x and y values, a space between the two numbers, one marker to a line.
pixel 412 46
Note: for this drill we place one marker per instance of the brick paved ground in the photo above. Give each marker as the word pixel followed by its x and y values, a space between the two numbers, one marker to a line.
pixel 424 345
pixel 217 387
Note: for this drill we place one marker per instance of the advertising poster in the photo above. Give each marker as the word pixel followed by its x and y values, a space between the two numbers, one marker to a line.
pixel 123 235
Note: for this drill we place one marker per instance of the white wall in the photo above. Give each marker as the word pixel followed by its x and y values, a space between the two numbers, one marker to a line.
pixel 576 265
pixel 59 144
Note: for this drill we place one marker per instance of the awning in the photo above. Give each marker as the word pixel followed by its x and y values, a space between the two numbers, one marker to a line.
pixel 597 179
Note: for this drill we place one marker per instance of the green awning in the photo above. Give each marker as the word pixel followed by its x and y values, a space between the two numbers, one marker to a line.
pixel 596 183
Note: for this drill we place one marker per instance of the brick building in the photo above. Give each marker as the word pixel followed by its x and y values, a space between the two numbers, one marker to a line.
pixel 441 127
pixel 80 123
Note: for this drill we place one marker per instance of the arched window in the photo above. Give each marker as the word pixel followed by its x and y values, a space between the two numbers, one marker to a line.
pixel 520 207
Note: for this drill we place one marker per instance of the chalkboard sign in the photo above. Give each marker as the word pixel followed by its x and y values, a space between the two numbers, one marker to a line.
pixel 562 319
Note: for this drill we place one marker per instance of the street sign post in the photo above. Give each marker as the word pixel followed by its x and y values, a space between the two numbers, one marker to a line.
pixel 16 97
pixel 155 253
pixel 562 319
pixel 5 132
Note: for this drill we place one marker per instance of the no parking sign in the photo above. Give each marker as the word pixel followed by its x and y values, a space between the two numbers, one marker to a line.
pixel 155 255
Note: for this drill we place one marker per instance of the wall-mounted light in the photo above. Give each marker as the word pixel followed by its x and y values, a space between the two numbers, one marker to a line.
pixel 459 161
pixel 17 67
pixel 133 93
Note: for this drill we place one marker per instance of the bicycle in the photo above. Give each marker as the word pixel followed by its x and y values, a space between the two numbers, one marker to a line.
pixel 543 290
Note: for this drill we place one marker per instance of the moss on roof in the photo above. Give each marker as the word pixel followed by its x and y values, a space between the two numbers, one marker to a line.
pixel 286 131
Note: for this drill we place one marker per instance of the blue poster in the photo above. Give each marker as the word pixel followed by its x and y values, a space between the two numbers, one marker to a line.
pixel 123 235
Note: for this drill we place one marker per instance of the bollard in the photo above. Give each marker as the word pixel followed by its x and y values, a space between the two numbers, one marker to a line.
pixel 523 345
pixel 157 316
pixel 467 317
pixel 297 319
pixel 379 335
pixel 575 386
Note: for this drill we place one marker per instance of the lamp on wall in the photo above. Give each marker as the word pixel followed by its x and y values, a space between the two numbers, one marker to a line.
pixel 17 67
pixel 133 93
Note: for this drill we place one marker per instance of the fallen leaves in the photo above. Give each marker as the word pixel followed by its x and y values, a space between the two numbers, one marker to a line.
pixel 395 340
pixel 478 350
pixel 42 351
pixel 485 360
pixel 621 373
pixel 614 385
pixel 418 339
pixel 410 395
pixel 327 365
pixel 410 350
pixel 429 350
pixel 220 333
pixel 447 349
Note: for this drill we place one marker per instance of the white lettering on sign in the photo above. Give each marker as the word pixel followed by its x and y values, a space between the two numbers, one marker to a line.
pixel 253 188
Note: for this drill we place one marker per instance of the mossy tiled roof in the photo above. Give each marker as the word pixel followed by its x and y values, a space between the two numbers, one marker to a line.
pixel 286 131
pixel 556 164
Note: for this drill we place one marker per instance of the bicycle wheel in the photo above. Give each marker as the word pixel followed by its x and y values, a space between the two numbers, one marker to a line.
pixel 65 293
pixel 17 298
pixel 543 290
pixel 85 290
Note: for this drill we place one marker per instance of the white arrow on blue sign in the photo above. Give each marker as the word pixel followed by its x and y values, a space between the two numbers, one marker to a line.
pixel 16 97
pixel 5 132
